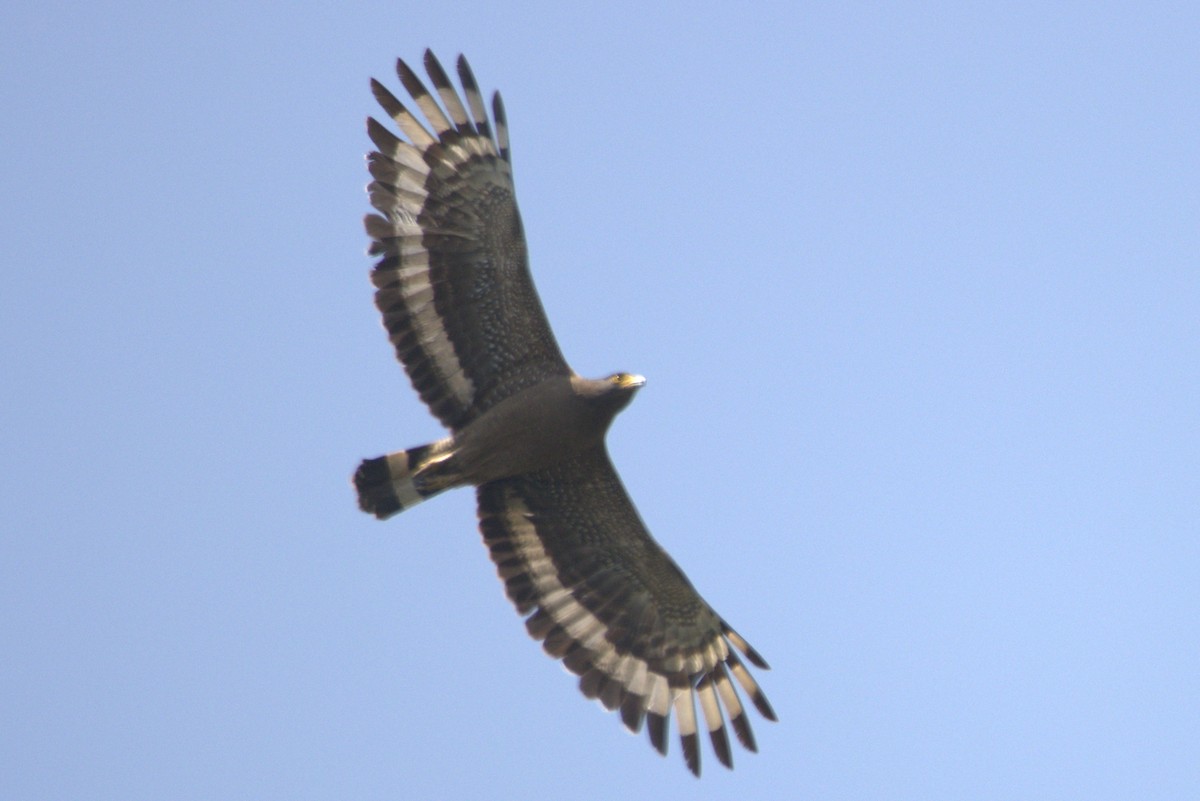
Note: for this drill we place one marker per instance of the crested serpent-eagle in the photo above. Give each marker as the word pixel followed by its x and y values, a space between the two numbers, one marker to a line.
pixel 459 306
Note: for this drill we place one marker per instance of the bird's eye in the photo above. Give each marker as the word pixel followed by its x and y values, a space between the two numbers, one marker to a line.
pixel 618 378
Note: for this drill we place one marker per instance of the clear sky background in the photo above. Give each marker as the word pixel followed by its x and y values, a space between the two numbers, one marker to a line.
pixel 917 291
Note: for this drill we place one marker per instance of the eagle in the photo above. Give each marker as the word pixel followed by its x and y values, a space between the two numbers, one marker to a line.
pixel 459 305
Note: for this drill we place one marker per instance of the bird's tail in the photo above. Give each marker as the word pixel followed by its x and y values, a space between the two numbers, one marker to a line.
pixel 390 484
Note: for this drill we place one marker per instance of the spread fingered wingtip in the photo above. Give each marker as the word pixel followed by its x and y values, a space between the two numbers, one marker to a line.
pixel 448 94
pixel 501 127
pixel 474 98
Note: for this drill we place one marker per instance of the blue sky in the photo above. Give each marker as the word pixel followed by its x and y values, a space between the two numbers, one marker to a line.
pixel 917 291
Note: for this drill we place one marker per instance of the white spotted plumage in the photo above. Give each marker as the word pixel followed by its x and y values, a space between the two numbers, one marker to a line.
pixel 458 303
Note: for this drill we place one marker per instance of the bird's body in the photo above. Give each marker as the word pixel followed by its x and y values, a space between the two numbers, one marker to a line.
pixel 458 302
pixel 532 430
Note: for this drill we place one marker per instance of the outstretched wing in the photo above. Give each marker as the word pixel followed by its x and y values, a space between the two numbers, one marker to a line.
pixel 607 600
pixel 453 279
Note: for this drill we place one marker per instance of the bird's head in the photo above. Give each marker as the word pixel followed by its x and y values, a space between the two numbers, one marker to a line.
pixel 620 389
pixel 626 382
pixel 610 394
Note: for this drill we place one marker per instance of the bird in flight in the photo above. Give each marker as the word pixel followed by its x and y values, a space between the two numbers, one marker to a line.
pixel 459 305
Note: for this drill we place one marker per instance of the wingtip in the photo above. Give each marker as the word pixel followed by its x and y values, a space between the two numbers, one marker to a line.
pixel 656 730
pixel 764 707
pixel 691 752
pixel 430 61
pixel 403 69
pixel 720 744
pixel 381 137
pixel 746 648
